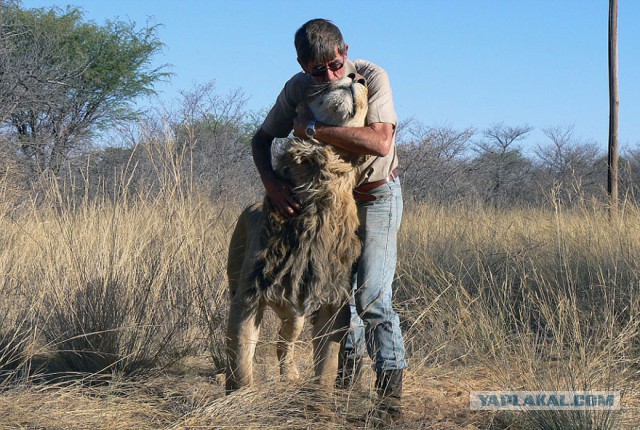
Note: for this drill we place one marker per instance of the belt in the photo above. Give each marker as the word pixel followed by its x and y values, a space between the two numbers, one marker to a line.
pixel 361 193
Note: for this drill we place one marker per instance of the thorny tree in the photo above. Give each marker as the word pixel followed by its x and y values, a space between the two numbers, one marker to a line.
pixel 62 79
pixel 500 164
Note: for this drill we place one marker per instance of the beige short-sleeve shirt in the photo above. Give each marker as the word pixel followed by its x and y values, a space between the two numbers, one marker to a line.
pixel 279 120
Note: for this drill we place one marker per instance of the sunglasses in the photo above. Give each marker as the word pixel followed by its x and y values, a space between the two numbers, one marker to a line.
pixel 321 70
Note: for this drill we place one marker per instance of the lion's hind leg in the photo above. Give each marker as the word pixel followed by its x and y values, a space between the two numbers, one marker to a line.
pixel 245 312
pixel 243 330
pixel 292 325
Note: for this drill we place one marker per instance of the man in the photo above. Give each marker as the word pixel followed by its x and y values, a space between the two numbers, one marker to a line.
pixel 322 54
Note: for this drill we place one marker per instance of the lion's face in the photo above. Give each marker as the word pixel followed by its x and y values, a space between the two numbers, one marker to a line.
pixel 340 103
pixel 343 102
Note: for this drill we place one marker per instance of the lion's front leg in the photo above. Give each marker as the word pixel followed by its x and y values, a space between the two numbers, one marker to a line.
pixel 330 325
pixel 292 325
pixel 243 330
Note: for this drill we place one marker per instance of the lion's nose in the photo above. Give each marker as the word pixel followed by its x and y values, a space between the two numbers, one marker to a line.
pixel 357 78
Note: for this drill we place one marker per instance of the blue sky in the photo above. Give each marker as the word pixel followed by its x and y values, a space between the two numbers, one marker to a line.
pixel 454 63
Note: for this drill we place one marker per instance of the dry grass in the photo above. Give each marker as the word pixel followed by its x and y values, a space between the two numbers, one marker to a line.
pixel 113 313
pixel 540 300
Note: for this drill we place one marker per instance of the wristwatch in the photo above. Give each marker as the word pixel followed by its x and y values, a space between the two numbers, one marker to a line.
pixel 311 129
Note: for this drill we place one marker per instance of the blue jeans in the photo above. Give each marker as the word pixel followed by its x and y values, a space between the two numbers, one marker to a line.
pixel 374 323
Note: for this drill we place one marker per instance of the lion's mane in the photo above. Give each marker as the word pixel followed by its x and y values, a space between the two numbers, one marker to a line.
pixel 308 260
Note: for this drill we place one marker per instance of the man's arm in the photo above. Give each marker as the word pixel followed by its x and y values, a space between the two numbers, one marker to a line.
pixel 279 192
pixel 373 139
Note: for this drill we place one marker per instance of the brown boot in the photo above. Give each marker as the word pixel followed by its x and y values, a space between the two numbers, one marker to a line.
pixel 389 388
pixel 349 372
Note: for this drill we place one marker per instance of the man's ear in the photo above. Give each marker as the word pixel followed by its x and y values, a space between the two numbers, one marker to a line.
pixel 302 64
pixel 346 49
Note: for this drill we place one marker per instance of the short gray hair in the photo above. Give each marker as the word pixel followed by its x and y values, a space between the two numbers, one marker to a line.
pixel 317 41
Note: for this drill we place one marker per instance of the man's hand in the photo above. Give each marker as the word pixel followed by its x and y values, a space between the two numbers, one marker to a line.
pixel 278 191
pixel 282 198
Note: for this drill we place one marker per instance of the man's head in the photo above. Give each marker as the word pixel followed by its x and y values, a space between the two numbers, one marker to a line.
pixel 321 50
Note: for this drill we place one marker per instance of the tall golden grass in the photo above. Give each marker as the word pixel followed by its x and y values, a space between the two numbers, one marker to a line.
pixel 541 300
pixel 130 292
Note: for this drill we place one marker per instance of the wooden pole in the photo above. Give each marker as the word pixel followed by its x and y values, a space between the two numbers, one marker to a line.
pixel 614 102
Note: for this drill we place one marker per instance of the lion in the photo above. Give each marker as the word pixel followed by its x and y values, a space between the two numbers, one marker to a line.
pixel 300 266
